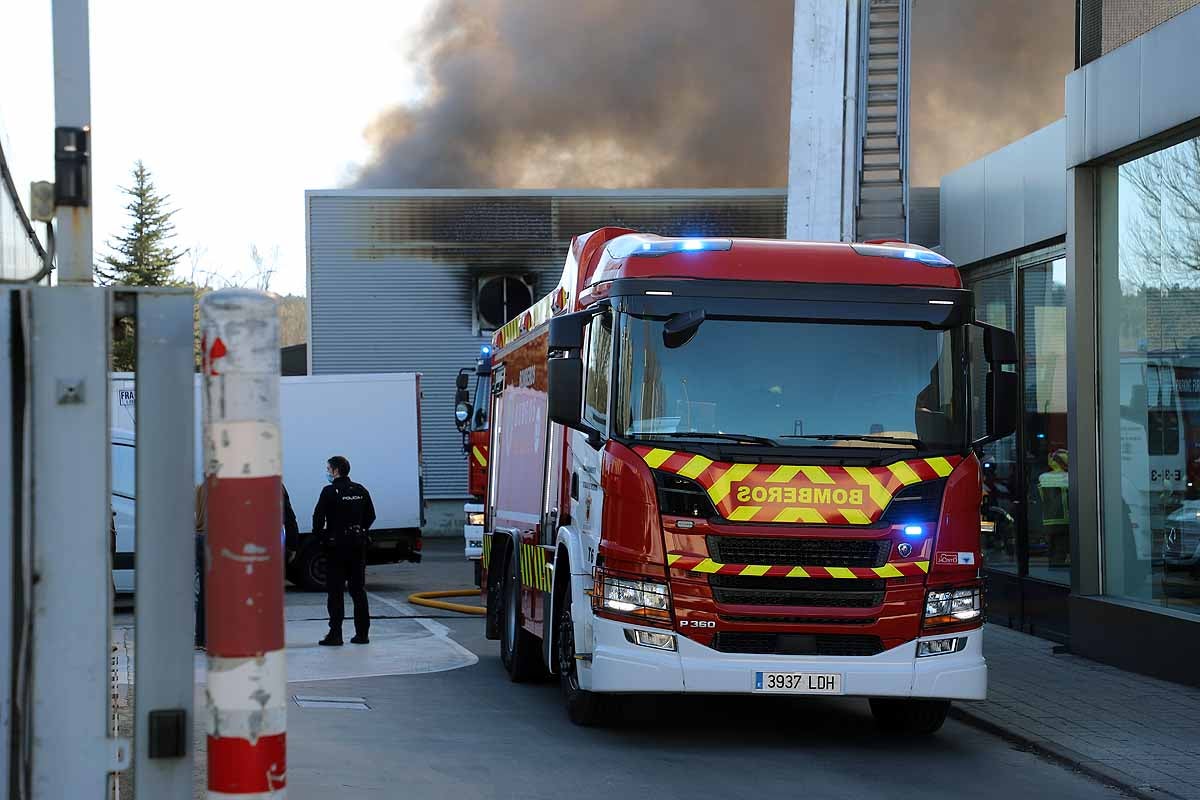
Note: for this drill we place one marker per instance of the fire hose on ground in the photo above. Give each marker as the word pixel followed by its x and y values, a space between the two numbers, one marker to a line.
pixel 429 600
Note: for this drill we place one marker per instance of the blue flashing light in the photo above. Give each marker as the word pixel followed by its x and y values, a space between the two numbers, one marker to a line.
pixel 1041 436
pixel 918 254
pixel 485 350
pixel 641 244
pixel 913 530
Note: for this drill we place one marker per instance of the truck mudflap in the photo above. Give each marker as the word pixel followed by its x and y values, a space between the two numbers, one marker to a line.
pixel 619 665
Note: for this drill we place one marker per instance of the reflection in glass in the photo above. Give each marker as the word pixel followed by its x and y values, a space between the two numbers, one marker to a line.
pixel 1149 229
pixel 1044 313
pixel 994 298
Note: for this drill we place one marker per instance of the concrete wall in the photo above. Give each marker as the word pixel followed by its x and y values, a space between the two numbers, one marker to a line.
pixel 1008 200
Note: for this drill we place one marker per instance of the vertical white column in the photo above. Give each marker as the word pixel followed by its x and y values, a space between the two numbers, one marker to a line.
pixel 819 121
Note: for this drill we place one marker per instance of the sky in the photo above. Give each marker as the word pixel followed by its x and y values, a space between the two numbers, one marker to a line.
pixel 235 107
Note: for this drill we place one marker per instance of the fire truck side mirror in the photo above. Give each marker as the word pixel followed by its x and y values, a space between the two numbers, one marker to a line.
pixel 1002 398
pixel 1002 388
pixel 565 390
pixel 566 331
pixel 565 396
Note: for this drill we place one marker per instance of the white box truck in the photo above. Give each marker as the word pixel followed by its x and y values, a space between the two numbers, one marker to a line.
pixel 373 420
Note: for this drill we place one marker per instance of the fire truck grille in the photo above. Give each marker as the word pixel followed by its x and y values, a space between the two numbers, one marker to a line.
pixel 814 592
pixel 797 644
pixel 799 552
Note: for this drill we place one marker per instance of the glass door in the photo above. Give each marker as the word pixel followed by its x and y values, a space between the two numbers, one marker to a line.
pixel 1025 524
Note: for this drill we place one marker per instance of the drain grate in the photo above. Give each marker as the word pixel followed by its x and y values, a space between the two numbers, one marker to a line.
pixel 343 703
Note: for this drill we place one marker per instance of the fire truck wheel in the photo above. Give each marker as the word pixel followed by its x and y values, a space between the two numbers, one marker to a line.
pixel 519 649
pixel 916 717
pixel 584 708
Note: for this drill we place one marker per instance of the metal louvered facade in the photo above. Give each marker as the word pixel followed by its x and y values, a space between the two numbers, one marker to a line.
pixel 392 275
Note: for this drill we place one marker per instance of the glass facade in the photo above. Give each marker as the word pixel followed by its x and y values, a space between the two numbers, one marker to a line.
pixel 1149 346
pixel 1026 525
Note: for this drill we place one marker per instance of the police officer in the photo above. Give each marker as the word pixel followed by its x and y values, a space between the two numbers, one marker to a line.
pixel 343 515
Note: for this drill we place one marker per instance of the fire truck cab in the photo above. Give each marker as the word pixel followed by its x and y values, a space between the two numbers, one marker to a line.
pixel 743 466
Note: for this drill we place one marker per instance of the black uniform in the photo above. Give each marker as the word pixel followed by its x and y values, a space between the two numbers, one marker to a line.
pixel 290 527
pixel 344 504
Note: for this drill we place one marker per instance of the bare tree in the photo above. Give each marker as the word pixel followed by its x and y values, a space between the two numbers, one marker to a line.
pixel 263 267
pixel 1162 247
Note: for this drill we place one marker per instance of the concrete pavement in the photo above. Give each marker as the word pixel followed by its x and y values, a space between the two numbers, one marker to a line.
pixel 452 725
pixel 1137 732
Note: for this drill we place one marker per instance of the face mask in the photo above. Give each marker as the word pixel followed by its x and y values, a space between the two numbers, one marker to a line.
pixel 329 477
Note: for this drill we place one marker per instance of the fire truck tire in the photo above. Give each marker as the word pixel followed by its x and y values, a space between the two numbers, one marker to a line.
pixel 583 707
pixel 519 649
pixel 911 717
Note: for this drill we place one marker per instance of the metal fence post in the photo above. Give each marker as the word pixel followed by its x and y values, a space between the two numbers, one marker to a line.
pixel 246 712
pixel 163 657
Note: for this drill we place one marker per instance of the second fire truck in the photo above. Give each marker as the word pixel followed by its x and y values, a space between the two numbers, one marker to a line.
pixel 744 466
pixel 471 417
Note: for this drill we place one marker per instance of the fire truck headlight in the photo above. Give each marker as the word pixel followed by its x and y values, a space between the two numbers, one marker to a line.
pixel 475 518
pixel 953 606
pixel 645 599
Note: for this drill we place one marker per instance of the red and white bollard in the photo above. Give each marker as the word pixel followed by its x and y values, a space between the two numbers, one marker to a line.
pixel 246 706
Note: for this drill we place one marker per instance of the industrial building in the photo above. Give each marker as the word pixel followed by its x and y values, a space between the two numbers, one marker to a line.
pixel 416 280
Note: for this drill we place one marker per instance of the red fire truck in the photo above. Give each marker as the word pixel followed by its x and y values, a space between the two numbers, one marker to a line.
pixel 471 417
pixel 743 466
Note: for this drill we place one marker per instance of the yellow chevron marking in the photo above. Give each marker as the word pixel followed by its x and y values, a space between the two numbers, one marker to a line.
pixel 657 456
pixel 816 475
pixel 744 513
pixel 788 515
pixel 672 558
pixel 887 571
pixel 940 465
pixel 720 488
pixel 707 565
pixel 854 516
pixel 479 456
pixel 797 572
pixel 864 477
pixel 905 473
pixel 783 475
pixel 923 565
pixel 812 515
pixel 839 572
pixel 755 569
pixel 693 468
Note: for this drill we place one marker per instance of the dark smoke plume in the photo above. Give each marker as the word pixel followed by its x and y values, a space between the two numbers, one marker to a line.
pixel 984 74
pixel 593 93
pixel 689 93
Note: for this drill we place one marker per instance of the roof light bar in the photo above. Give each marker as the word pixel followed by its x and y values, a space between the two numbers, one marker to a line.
pixel 638 244
pixel 919 254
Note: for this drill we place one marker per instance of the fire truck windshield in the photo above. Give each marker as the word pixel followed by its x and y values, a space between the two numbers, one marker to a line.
pixel 795 384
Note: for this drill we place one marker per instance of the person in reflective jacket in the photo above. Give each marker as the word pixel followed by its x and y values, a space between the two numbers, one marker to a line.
pixel 341 521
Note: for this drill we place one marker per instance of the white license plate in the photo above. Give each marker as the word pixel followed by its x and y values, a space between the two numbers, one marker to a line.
pixel 798 682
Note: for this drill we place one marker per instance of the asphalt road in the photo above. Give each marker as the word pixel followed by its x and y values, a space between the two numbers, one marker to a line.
pixel 467 732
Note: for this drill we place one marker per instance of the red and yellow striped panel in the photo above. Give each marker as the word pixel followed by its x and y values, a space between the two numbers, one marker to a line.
pixel 702 564
pixel 479 452
pixel 798 494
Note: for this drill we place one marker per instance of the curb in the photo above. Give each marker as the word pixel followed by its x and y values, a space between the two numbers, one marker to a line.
pixel 1063 755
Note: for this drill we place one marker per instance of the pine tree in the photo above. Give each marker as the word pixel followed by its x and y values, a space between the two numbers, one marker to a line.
pixel 142 256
